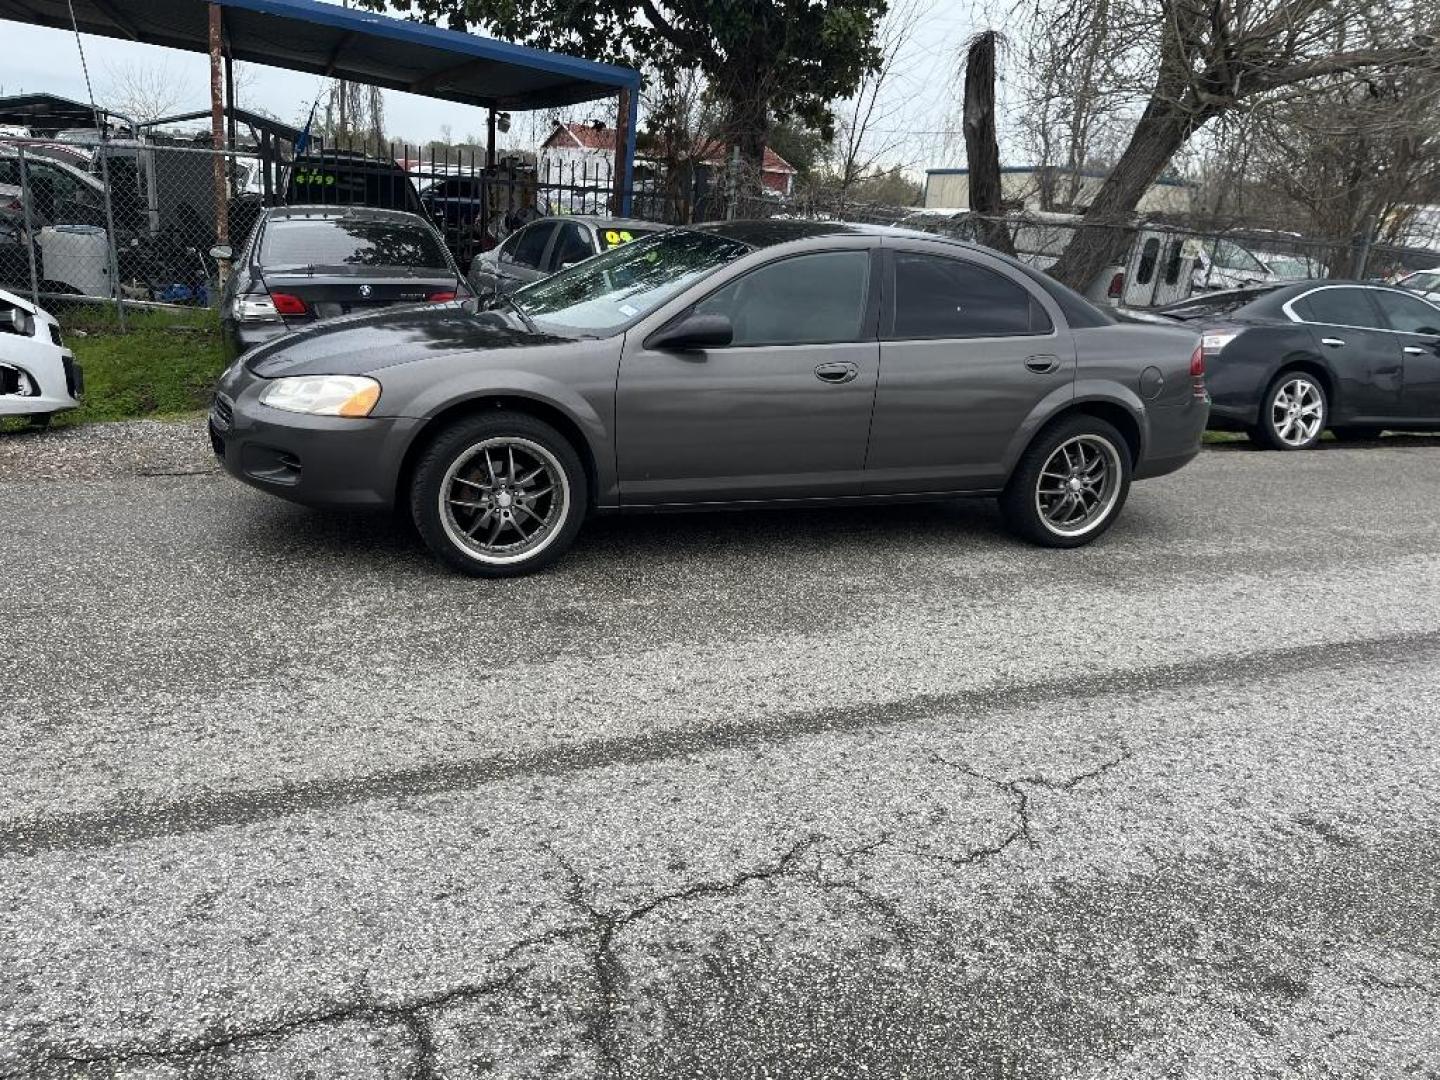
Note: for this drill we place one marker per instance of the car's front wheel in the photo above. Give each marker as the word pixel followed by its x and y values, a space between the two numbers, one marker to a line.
pixel 1293 414
pixel 1069 486
pixel 499 495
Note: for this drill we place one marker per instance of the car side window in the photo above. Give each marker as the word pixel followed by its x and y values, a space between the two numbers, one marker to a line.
pixel 530 248
pixel 1149 256
pixel 571 246
pixel 818 299
pixel 1408 314
pixel 1339 307
pixel 939 297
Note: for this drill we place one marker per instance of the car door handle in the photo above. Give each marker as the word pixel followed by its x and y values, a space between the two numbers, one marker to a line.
pixel 1043 364
pixel 1414 350
pixel 836 372
pixel 1333 342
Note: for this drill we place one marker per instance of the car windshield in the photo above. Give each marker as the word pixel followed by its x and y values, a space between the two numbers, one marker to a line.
pixel 602 294
pixel 1291 266
pixel 1425 281
pixel 351 242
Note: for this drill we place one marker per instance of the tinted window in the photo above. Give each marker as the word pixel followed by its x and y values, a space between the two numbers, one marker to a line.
pixel 1172 263
pixel 1342 307
pixel 350 182
pixel 571 245
pixel 1149 256
pixel 355 242
pixel 529 249
pixel 810 299
pixel 937 297
pixel 1408 314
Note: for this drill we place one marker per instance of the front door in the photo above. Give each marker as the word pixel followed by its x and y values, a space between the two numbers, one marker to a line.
pixel 782 412
pixel 1363 355
pixel 1416 327
pixel 968 352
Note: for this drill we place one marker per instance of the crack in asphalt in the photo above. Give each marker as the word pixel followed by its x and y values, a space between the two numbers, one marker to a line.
pixel 1014 790
pixel 209 810
pixel 412 1015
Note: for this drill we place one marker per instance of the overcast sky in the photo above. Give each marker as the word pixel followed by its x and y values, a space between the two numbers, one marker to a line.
pixel 917 104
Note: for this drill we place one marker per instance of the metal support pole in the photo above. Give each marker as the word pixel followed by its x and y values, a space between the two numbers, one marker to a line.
pixel 625 117
pixel 31 240
pixel 217 135
pixel 490 138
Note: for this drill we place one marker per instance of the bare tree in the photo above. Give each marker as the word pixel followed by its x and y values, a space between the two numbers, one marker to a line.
pixel 1191 61
pixel 868 126
pixel 142 92
pixel 982 148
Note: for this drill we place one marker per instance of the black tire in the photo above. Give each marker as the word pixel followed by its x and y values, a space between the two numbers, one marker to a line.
pixel 1022 501
pixel 1356 433
pixel 1271 432
pixel 453 462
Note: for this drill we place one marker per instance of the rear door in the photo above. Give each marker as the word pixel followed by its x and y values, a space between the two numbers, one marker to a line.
pixel 1356 344
pixel 781 412
pixel 968 351
pixel 1416 325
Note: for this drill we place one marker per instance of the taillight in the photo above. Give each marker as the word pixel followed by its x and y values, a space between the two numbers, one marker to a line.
pixel 287 304
pixel 443 297
pixel 1197 372
pixel 1117 286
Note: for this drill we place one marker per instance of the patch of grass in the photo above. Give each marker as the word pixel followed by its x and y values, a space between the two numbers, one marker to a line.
pixel 164 365
pixel 1225 437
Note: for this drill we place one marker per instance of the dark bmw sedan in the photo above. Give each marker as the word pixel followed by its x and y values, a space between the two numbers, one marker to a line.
pixel 304 263
pixel 750 363
pixel 1285 363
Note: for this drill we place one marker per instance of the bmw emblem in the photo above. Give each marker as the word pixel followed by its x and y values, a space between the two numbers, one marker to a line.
pixel 364 290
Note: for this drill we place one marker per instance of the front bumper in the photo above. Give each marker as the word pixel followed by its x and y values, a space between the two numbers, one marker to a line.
pixel 53 383
pixel 325 461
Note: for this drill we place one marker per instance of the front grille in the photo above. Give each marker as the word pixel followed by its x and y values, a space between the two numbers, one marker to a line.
pixel 222 413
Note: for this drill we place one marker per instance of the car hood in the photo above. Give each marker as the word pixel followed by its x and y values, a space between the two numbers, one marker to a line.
pixel 361 344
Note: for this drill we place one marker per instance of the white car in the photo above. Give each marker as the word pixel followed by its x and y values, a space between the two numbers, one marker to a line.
pixel 38 375
pixel 1424 282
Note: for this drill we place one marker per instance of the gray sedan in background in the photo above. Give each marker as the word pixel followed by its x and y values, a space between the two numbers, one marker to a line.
pixel 740 364
pixel 549 245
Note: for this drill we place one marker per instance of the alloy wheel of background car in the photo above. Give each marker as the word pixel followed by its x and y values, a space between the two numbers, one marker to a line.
pixel 499 495
pixel 1294 413
pixel 1069 486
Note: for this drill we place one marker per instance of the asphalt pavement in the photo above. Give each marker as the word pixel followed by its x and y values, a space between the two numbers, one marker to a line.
pixel 842 793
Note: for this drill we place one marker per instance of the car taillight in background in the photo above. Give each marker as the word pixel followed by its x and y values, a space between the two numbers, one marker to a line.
pixel 1117 286
pixel 1197 372
pixel 286 304
pixel 442 297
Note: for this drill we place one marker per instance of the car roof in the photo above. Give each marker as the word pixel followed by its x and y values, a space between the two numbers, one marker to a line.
pixel 331 212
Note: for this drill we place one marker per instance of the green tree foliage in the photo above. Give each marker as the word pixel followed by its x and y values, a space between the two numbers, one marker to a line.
pixel 765 60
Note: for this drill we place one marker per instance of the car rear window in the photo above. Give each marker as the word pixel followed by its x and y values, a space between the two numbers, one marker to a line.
pixel 339 182
pixel 1216 304
pixel 351 242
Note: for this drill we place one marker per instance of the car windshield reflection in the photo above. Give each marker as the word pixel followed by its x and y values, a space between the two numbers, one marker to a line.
pixel 609 291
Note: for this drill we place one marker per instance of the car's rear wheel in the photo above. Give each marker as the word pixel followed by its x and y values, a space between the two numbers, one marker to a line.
pixel 1293 413
pixel 1069 486
pixel 499 495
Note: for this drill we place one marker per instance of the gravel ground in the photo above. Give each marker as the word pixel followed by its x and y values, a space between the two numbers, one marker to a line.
pixel 832 794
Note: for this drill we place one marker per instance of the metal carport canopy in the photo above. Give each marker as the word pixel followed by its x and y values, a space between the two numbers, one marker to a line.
pixel 329 40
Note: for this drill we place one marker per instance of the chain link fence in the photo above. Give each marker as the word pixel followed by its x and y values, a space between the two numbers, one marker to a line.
pixel 135 223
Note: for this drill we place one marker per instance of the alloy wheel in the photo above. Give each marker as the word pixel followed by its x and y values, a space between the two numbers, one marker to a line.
pixel 504 500
pixel 1297 412
pixel 1078 485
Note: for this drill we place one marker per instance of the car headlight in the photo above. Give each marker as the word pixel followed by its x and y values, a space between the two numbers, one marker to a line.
pixel 323 395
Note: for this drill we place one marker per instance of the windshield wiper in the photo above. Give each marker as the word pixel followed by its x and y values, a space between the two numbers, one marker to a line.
pixel 506 298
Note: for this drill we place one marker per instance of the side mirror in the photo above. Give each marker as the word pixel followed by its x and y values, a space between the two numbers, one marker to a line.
pixel 692 333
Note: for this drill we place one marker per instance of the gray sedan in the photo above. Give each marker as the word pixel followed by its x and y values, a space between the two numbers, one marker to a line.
pixel 743 364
